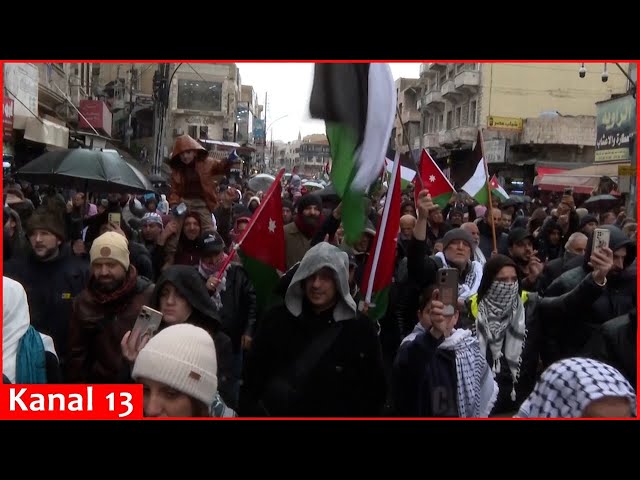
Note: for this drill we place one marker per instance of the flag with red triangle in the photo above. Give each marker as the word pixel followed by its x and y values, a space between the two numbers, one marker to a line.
pixel 262 247
pixel 433 180
pixel 497 189
pixel 378 271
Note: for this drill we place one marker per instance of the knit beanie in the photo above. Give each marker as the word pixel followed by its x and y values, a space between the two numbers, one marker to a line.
pixel 43 219
pixel 113 246
pixel 183 357
pixel 457 234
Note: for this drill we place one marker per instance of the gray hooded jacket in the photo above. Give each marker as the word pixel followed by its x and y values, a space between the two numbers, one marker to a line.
pixel 320 256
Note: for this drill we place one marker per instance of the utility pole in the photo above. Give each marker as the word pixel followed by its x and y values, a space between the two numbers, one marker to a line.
pixel 264 147
pixel 129 132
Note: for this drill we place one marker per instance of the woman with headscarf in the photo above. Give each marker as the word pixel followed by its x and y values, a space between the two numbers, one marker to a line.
pixel 178 369
pixel 181 296
pixel 580 388
pixel 28 357
pixel 508 322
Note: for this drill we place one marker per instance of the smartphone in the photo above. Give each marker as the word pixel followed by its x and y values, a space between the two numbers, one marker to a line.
pixel 114 218
pixel 179 210
pixel 146 325
pixel 600 239
pixel 447 284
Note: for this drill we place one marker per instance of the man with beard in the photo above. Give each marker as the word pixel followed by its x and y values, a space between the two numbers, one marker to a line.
pixel 287 211
pixel 529 266
pixel 299 233
pixel 104 312
pixel 152 227
pixel 472 229
pixel 51 276
pixel 407 224
pixel 616 299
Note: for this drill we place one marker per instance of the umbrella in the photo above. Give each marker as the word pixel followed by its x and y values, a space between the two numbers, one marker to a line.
pixel 85 170
pixel 261 182
pixel 312 186
pixel 601 202
pixel 329 194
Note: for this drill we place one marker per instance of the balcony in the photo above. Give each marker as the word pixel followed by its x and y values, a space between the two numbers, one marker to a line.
pixel 433 100
pixel 458 137
pixel 449 92
pixel 434 67
pixel 410 116
pixel 467 82
pixel 430 140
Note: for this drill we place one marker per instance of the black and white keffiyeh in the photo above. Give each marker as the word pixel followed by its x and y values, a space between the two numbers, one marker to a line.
pixel 501 323
pixel 567 387
pixel 471 281
pixel 477 388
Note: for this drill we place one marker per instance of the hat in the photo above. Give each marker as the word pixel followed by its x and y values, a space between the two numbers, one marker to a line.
pixel 43 219
pixel 152 217
pixel 211 243
pixel 517 235
pixel 112 246
pixel 183 357
pixel 588 219
pixel 309 200
pixel 457 234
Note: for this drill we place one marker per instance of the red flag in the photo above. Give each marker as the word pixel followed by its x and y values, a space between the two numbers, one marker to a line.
pixel 434 180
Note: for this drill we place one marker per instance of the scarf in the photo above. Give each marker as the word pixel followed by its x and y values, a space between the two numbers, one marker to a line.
pixel 477 388
pixel 501 322
pixel 207 270
pixel 307 230
pixel 479 256
pixel 128 286
pixel 471 281
pixel 567 387
pixel 31 364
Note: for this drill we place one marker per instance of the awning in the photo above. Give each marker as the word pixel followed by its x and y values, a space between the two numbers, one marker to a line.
pixel 45 131
pixel 542 171
pixel 582 180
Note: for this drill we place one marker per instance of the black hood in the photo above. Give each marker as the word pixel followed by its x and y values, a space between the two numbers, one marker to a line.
pixel 617 240
pixel 190 284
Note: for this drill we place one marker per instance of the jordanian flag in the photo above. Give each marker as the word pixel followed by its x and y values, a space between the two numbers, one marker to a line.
pixel 261 247
pixel 497 190
pixel 476 186
pixel 357 101
pixel 433 180
pixel 378 272
pixel 406 174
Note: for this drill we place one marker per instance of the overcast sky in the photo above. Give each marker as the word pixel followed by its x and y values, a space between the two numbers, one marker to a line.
pixel 289 86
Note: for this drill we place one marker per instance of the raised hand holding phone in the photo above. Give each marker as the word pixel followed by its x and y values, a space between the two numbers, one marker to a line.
pixel 441 324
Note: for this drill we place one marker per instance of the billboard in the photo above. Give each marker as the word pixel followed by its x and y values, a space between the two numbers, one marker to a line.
pixel 95 114
pixel 258 131
pixel 615 128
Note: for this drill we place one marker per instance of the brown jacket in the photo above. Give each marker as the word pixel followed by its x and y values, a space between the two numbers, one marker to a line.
pixel 96 330
pixel 209 170
pixel 296 244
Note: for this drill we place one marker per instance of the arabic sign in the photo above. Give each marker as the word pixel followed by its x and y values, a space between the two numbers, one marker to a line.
pixel 615 124
pixel 7 119
pixel 495 150
pixel 504 123
pixel 258 131
pixel 626 171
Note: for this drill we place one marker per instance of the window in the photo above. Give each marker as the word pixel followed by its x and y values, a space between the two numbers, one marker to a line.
pixel 472 112
pixel 449 124
pixel 200 95
pixel 458 116
pixel 193 131
pixel 440 125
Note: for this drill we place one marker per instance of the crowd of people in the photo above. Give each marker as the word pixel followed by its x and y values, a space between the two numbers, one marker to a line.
pixel 544 325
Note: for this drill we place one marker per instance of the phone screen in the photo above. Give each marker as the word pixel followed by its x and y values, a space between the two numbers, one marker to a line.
pixel 114 218
pixel 146 325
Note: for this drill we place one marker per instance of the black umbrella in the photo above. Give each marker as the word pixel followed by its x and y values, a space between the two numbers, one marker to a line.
pixel 261 182
pixel 85 170
pixel 601 202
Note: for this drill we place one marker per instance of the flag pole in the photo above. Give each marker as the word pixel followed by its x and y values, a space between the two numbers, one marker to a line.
pixel 406 141
pixel 486 178
pixel 381 231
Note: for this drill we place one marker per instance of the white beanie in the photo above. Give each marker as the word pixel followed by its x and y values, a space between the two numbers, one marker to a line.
pixel 183 357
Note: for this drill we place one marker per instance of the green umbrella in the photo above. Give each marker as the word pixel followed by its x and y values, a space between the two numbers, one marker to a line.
pixel 85 170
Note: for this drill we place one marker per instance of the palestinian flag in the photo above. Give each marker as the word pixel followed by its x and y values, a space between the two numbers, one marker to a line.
pixel 433 180
pixel 497 189
pixel 378 271
pixel 357 101
pixel 476 186
pixel 406 174
pixel 261 247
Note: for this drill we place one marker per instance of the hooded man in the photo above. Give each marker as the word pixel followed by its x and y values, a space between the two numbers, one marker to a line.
pixel 193 182
pixel 315 355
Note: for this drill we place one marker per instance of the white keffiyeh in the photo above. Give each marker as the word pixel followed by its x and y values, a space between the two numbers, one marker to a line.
pixel 471 281
pixel 477 389
pixel 501 323
pixel 567 387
